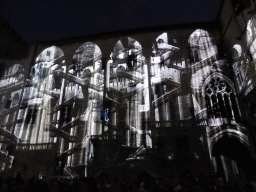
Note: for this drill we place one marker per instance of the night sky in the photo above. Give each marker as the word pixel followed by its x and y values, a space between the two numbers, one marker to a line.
pixel 40 20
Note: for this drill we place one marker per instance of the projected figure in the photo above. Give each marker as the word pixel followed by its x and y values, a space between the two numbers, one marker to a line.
pixel 11 85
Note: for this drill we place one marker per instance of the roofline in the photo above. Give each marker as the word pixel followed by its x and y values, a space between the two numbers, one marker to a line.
pixel 219 11
pixel 16 35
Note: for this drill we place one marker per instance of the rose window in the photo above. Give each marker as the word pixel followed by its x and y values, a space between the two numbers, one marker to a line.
pixel 217 85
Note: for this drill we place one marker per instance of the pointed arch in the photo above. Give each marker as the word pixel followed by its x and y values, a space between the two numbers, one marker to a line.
pixel 215 75
pixel 50 54
pixel 201 45
pixel 220 99
pixel 87 56
pixel 238 135
pixel 124 48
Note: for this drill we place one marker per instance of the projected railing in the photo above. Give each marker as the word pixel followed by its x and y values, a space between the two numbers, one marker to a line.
pixel 73 123
pixel 110 125
pixel 171 124
pixel 59 132
pixel 27 98
pixel 71 78
pixel 87 62
pixel 64 104
pixel 103 137
pixel 72 174
pixel 175 67
pixel 8 111
pixel 133 155
pixel 165 97
pixel 77 80
pixel 202 122
pixel 5 140
pixel 201 64
pixel 181 123
pixel 131 77
pixel 113 92
pixel 11 75
pixel 11 88
pixel 59 60
pixel 202 114
pixel 6 158
pixel 9 135
pixel 51 93
pixel 171 82
pixel 12 123
pixel 34 147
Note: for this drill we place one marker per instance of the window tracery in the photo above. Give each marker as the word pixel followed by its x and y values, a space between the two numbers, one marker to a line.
pixel 220 100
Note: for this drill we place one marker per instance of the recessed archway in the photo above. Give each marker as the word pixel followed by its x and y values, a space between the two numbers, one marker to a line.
pixel 231 147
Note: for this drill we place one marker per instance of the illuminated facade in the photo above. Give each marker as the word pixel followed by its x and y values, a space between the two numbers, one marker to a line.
pixel 160 101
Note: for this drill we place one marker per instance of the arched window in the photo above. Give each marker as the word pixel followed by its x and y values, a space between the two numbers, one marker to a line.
pixel 220 100
pixel 201 45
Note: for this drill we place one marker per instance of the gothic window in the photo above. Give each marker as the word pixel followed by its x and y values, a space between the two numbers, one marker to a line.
pixel 202 45
pixel 220 100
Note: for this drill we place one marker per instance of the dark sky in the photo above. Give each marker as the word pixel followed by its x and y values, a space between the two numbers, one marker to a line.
pixel 55 19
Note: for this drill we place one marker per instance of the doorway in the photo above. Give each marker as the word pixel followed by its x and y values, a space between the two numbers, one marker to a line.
pixel 231 147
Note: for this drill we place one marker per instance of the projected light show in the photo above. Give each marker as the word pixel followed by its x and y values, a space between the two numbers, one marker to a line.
pixel 244 60
pixel 153 102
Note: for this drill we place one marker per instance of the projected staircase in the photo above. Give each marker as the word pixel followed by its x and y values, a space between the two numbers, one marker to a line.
pixel 164 97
